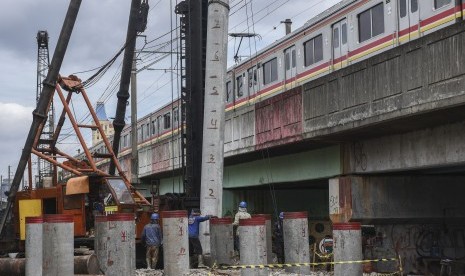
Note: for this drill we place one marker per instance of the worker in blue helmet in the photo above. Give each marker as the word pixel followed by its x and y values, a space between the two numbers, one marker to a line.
pixel 152 238
pixel 195 248
pixel 241 214
pixel 278 238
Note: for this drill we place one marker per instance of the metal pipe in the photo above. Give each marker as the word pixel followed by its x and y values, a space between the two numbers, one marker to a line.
pixel 40 113
pixel 84 265
pixel 123 93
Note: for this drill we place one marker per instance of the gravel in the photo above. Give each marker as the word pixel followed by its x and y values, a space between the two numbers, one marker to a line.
pixel 205 272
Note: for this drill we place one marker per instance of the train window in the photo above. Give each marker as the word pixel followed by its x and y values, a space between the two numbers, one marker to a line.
pixel 147 128
pixel 153 127
pixel 371 22
pixel 175 116
pixel 293 57
pixel 240 86
pixel 344 33
pixel 270 71
pixel 403 8
pixel 336 37
pixel 413 6
pixel 159 124
pixel 167 120
pixel 228 92
pixel 313 50
pixel 441 3
pixel 287 61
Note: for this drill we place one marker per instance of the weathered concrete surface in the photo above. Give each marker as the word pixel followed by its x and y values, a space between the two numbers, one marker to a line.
pixel 58 245
pixel 296 247
pixel 390 199
pixel 347 247
pixel 369 97
pixel 252 243
pixel 121 258
pixel 101 241
pixel 222 241
pixel 34 238
pixel 438 147
pixel 175 242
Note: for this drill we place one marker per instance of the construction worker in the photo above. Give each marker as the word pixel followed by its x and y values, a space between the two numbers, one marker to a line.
pixel 241 214
pixel 195 248
pixel 152 237
pixel 279 238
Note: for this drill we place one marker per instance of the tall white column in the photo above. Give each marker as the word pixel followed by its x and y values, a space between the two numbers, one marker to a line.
pixel 211 191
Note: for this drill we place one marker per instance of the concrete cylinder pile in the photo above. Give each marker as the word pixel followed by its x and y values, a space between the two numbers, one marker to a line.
pixel 222 241
pixel 100 241
pixel 252 243
pixel 58 245
pixel 296 247
pixel 121 242
pixel 347 246
pixel 269 231
pixel 175 242
pixel 34 238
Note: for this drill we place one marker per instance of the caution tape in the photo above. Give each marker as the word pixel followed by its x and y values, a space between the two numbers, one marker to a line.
pixel 309 264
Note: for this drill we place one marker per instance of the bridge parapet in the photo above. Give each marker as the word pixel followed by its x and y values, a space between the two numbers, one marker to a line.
pixel 399 90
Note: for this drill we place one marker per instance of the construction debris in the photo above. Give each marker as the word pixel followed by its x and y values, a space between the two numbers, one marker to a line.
pixel 205 272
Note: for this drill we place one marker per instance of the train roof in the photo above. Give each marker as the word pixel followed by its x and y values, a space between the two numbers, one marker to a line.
pixel 313 21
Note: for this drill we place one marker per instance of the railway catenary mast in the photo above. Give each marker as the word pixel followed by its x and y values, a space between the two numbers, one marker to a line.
pixel 46 96
pixel 44 168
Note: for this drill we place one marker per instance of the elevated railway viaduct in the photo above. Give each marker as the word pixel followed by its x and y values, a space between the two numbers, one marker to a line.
pixel 380 142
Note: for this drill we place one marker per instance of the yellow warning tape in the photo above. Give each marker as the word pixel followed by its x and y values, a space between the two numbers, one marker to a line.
pixel 309 264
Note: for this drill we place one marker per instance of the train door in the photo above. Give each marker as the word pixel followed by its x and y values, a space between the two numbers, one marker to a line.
pixel 290 67
pixel 409 19
pixel 340 45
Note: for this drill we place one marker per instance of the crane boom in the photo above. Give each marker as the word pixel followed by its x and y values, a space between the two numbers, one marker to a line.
pixel 41 111
pixel 123 93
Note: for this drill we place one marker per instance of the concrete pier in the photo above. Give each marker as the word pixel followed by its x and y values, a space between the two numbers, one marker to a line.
pixel 34 237
pixel 100 241
pixel 222 241
pixel 252 242
pixel 296 247
pixel 58 245
pixel 175 242
pixel 121 258
pixel 347 247
pixel 269 231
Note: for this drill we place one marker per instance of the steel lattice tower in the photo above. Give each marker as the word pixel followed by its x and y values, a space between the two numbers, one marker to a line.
pixel 44 168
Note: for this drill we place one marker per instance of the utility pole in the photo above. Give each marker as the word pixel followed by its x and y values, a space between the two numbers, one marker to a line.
pixel 134 151
pixel 211 191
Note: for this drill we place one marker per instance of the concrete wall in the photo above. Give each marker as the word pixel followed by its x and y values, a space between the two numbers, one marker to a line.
pixel 432 147
pixel 422 76
pixel 393 199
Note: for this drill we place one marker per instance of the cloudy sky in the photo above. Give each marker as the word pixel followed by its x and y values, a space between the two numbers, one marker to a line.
pixel 98 34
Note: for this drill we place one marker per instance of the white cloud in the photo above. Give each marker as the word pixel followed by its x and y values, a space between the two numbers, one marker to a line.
pixel 15 121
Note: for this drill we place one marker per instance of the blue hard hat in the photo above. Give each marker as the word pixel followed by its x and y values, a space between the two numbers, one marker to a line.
pixel 154 216
pixel 281 215
pixel 243 204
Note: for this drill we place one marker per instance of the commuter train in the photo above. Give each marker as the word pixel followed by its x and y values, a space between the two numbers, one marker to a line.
pixel 351 31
